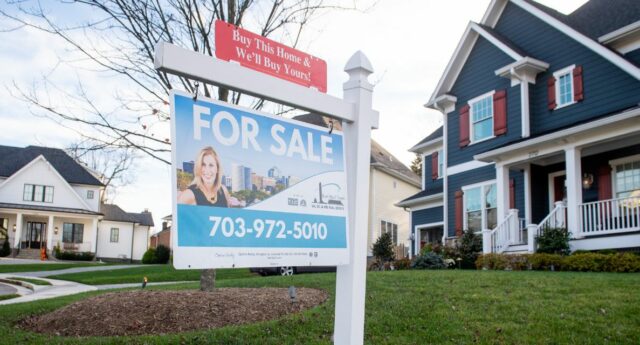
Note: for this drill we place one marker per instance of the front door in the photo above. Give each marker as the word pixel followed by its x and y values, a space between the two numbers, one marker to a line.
pixel 557 188
pixel 36 234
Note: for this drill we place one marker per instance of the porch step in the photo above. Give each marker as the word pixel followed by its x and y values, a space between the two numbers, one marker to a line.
pixel 517 249
pixel 29 254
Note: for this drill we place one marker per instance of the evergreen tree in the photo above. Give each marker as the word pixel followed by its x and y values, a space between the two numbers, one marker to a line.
pixel 416 165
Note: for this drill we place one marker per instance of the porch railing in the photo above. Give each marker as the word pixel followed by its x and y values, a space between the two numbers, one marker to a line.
pixel 610 216
pixel 556 219
pixel 505 234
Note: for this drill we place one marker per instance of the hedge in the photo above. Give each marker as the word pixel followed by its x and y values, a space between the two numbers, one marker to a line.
pixel 581 262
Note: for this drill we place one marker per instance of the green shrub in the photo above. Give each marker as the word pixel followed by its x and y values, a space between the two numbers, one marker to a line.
pixel 162 254
pixel 622 262
pixel 65 255
pixel 149 256
pixel 429 260
pixel 402 264
pixel 383 248
pixel 6 249
pixel 469 247
pixel 553 241
pixel 544 261
pixel 515 262
pixel 585 262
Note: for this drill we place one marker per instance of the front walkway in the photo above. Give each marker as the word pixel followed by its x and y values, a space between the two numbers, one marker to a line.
pixel 57 288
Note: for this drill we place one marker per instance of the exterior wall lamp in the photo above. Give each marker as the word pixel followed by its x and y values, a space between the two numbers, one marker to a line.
pixel 587 180
pixel 14 228
pixel 55 230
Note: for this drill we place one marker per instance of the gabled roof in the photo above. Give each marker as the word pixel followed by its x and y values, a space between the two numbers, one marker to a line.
pixel 597 17
pixel 380 157
pixel 434 136
pixel 13 159
pixel 114 213
pixel 464 48
pixel 584 25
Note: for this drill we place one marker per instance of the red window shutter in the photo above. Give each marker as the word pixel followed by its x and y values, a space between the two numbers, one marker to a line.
pixel 459 212
pixel 551 92
pixel 578 94
pixel 512 193
pixel 604 183
pixel 434 165
pixel 464 125
pixel 500 112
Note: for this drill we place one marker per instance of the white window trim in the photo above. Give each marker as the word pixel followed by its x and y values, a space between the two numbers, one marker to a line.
pixel 614 171
pixel 92 193
pixel 380 220
pixel 557 75
pixel 111 235
pixel 470 103
pixel 482 202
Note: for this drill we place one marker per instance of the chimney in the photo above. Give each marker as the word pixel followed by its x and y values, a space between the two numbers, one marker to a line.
pixel 164 225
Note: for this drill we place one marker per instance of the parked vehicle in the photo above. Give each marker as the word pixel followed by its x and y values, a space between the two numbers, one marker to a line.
pixel 290 270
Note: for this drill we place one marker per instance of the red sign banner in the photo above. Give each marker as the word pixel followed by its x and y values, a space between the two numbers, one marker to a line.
pixel 268 56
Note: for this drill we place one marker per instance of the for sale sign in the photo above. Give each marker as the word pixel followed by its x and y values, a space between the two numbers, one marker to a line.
pixel 252 189
pixel 267 56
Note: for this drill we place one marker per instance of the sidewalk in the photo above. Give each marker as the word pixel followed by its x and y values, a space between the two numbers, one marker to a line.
pixel 57 288
pixel 78 270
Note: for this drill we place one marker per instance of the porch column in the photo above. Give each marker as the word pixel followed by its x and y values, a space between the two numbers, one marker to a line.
pixel 574 189
pixel 18 234
pixel 94 226
pixel 502 191
pixel 50 228
pixel 527 194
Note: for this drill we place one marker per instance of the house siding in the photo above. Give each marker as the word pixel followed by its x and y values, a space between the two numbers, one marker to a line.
pixel 456 182
pixel 476 78
pixel 430 185
pixel 545 43
pixel 427 216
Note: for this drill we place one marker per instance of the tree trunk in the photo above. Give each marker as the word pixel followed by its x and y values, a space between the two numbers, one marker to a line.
pixel 207 280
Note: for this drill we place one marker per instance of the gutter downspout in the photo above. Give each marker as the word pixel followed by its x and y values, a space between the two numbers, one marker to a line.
pixel 445 177
pixel 97 230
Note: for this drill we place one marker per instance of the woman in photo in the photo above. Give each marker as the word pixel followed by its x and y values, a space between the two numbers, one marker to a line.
pixel 206 188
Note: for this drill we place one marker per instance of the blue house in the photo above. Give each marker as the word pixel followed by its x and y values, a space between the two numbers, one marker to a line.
pixel 541 129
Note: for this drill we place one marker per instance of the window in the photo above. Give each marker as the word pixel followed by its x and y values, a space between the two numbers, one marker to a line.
pixel 115 235
pixel 480 207
pixel 627 178
pixel 388 227
pixel 564 87
pixel 89 194
pixel 72 232
pixel 34 192
pixel 481 117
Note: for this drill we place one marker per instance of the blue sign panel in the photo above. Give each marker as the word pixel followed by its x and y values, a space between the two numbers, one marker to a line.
pixel 252 189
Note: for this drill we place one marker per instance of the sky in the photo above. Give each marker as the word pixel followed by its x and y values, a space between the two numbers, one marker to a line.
pixel 409 43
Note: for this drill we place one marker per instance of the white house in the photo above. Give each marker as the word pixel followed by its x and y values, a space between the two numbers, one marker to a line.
pixel 390 181
pixel 48 199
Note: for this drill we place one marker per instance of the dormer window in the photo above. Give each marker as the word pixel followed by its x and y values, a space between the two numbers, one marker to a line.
pixel 565 87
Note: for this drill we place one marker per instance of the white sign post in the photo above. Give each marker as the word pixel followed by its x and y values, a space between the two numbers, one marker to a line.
pixel 358 119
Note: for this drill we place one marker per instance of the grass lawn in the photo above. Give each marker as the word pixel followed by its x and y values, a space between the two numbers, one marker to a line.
pixel 155 273
pixel 31 280
pixel 420 307
pixel 42 267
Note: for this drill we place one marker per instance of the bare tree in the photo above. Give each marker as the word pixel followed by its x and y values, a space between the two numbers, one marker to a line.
pixel 119 39
pixel 112 165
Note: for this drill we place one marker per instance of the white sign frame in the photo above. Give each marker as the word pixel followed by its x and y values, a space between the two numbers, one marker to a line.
pixel 358 117
pixel 207 257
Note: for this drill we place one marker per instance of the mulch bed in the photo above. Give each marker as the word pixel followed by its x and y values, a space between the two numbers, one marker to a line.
pixel 161 312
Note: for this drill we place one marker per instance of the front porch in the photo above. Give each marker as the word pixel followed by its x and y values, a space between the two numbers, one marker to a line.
pixel 31 230
pixel 591 187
